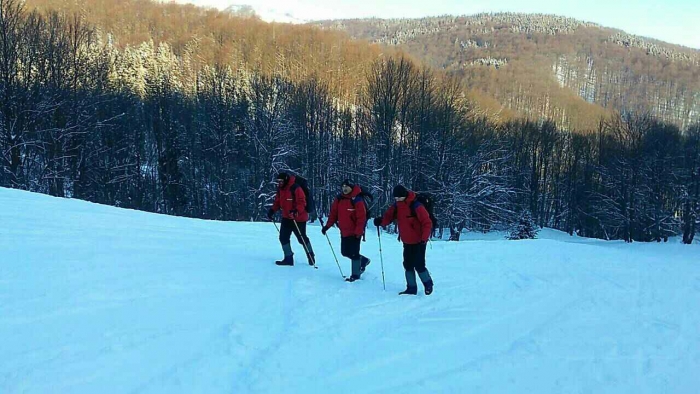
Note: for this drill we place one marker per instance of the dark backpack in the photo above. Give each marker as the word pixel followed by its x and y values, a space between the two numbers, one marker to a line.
pixel 425 200
pixel 304 185
pixel 428 202
pixel 366 197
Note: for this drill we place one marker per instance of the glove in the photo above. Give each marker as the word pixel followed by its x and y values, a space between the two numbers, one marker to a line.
pixel 423 242
pixel 293 213
pixel 323 230
pixel 270 213
pixel 377 222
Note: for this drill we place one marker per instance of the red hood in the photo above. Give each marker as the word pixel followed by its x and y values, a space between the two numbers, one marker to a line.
pixel 411 196
pixel 356 190
pixel 289 183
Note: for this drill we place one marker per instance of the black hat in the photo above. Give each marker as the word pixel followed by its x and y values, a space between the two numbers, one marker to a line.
pixel 283 176
pixel 348 183
pixel 400 191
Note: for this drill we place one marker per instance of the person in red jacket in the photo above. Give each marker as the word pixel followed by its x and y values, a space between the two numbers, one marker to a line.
pixel 415 227
pixel 350 213
pixel 290 198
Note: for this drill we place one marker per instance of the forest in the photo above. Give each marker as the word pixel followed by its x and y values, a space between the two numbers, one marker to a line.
pixel 200 126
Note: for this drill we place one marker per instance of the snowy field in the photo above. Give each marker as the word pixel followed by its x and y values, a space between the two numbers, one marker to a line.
pixel 95 299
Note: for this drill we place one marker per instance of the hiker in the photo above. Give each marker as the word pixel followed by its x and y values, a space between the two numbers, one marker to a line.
pixel 291 199
pixel 415 227
pixel 349 211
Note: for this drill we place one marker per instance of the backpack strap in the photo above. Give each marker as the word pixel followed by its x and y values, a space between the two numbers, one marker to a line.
pixel 414 205
pixel 293 190
pixel 353 201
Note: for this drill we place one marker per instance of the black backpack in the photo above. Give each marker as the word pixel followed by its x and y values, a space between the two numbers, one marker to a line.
pixel 366 197
pixel 428 202
pixel 304 185
pixel 425 200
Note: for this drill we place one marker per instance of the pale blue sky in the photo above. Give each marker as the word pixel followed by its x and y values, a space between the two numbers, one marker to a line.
pixel 674 21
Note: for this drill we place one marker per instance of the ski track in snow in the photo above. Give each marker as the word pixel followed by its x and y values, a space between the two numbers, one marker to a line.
pixel 98 299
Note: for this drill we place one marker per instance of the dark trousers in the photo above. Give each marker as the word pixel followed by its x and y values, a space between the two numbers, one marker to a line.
pixel 350 247
pixel 287 227
pixel 414 257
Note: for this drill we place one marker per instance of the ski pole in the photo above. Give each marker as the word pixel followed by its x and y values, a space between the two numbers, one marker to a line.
pixel 275 223
pixel 381 256
pixel 304 243
pixel 331 245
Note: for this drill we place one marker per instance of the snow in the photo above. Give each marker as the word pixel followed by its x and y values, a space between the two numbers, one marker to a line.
pixel 270 14
pixel 279 11
pixel 96 299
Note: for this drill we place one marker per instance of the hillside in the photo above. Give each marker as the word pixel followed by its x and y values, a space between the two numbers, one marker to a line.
pixel 512 65
pixel 101 299
pixel 551 66
pixel 208 37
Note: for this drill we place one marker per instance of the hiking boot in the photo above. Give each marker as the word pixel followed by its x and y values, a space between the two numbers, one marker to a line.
pixel 409 291
pixel 288 260
pixel 427 281
pixel 365 263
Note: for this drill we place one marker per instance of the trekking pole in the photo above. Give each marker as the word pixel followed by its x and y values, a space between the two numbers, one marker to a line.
pixel 320 220
pixel 306 249
pixel 381 257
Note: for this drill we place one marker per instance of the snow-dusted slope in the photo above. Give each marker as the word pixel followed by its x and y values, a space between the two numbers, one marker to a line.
pixel 280 11
pixel 267 14
pixel 95 299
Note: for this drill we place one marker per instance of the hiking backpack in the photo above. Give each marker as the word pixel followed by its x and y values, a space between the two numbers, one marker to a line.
pixel 428 202
pixel 302 183
pixel 425 200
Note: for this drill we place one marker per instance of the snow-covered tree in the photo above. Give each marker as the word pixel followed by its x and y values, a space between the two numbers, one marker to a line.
pixel 525 228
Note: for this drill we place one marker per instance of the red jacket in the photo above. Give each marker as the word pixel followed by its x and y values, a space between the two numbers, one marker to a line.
pixel 351 218
pixel 285 201
pixel 412 229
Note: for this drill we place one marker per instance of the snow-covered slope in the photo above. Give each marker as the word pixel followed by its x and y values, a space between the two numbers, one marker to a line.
pixel 267 14
pixel 280 11
pixel 95 299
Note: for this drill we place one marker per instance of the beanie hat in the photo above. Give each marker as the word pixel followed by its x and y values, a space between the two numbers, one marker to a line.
pixel 400 191
pixel 283 176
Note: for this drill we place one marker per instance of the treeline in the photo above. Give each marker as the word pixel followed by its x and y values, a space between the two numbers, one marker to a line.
pixel 140 128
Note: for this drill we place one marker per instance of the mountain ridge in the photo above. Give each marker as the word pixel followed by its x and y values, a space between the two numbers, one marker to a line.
pixel 604 66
